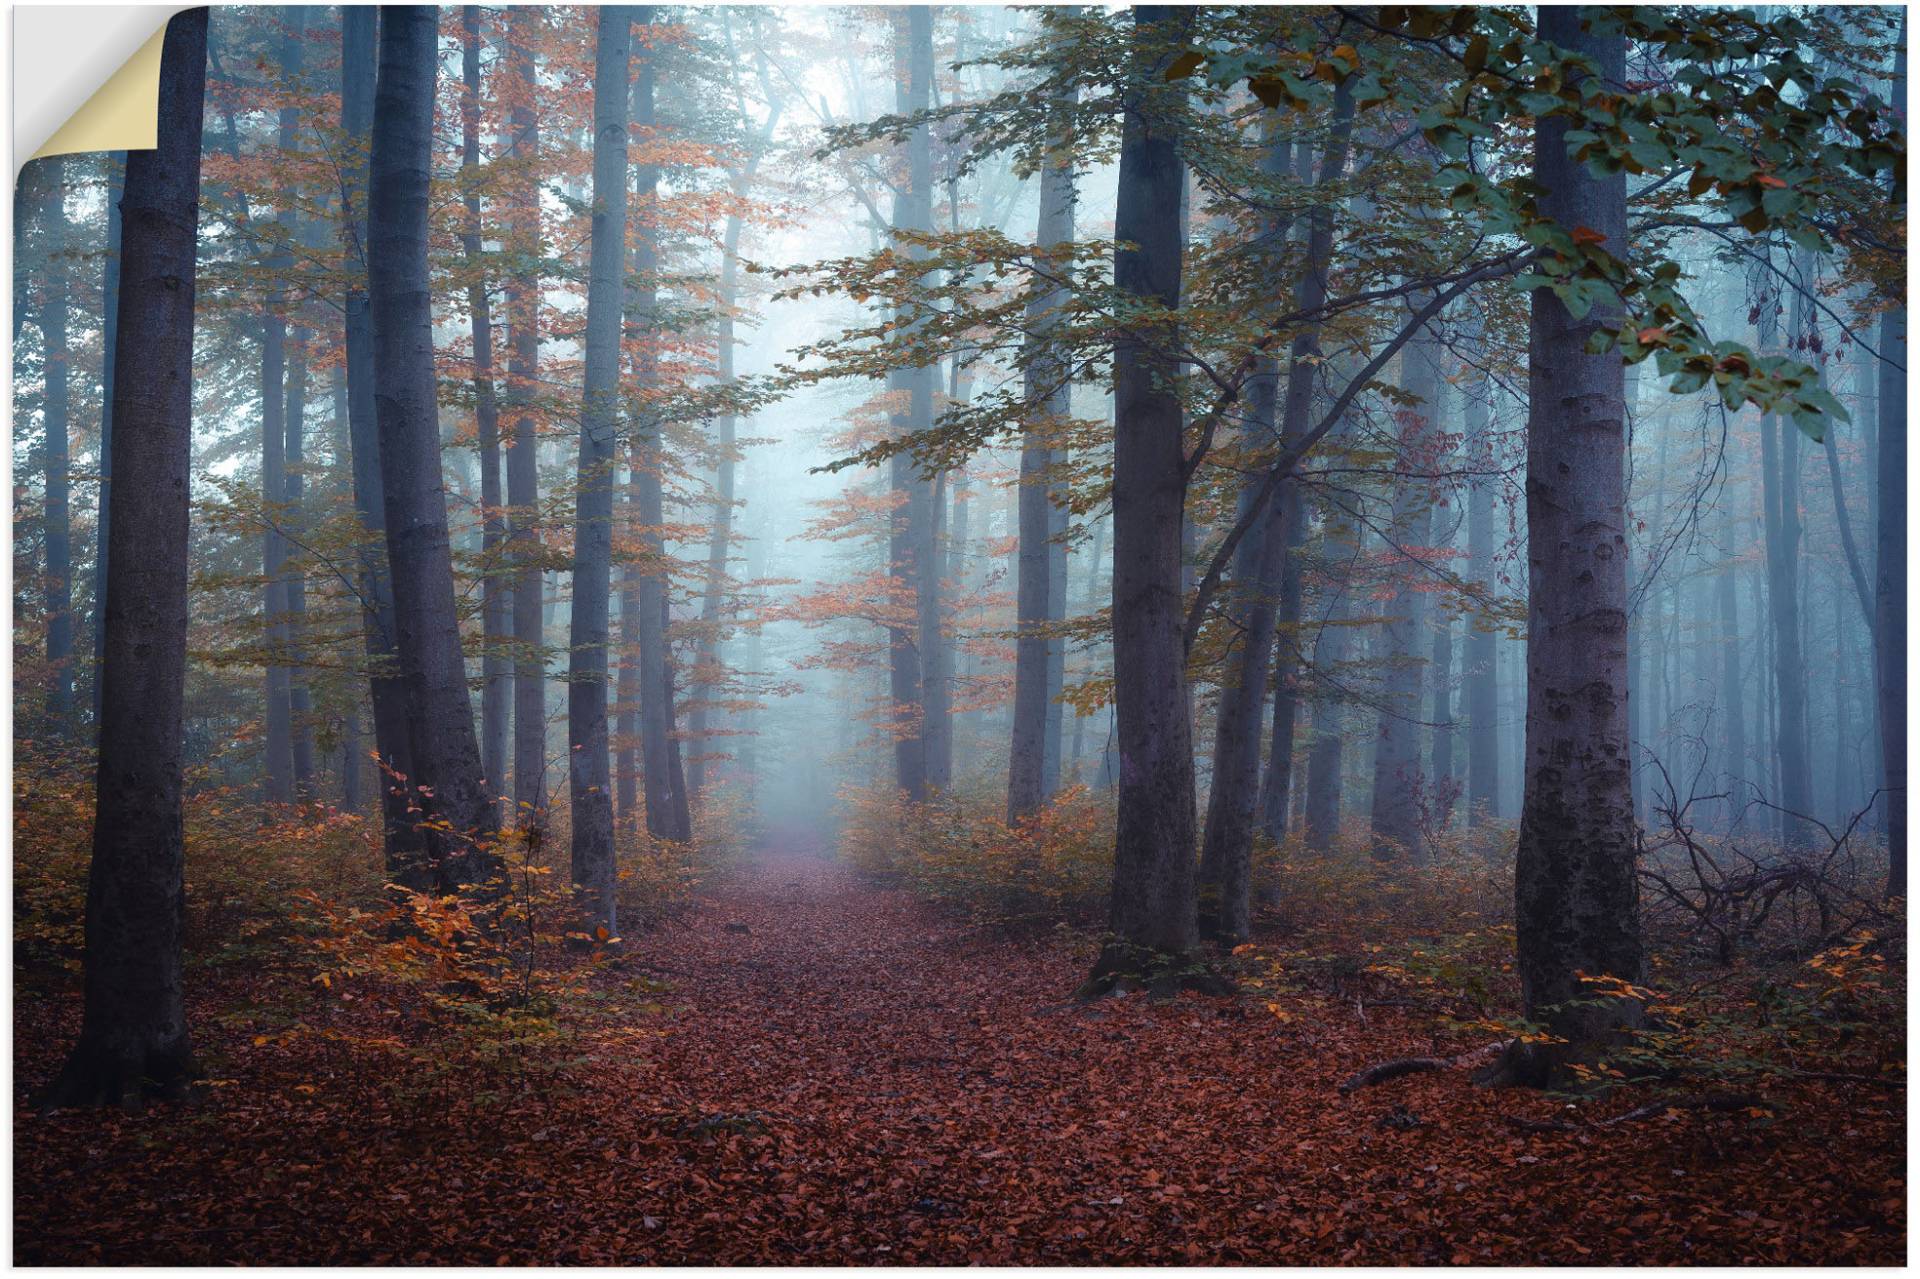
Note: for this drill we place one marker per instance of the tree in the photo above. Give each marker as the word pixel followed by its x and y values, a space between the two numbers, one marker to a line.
pixel 496 689
pixel 523 476
pixel 134 1039
pixel 1049 389
pixel 1576 896
pixel 1482 676
pixel 110 297
pixel 458 815
pixel 590 784
pixel 668 814
pixel 56 358
pixel 1151 917
pixel 392 738
pixel 1890 559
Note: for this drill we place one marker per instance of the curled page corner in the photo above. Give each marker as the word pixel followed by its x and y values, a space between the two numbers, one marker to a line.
pixel 86 78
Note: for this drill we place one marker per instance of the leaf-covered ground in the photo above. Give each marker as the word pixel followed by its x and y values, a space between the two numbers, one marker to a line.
pixel 835 1073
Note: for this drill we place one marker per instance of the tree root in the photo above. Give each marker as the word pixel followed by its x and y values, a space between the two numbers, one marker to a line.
pixel 1390 1070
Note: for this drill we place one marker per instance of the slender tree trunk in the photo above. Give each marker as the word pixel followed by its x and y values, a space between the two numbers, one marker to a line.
pixel 1726 593
pixel 1048 394
pixel 523 476
pixel 666 791
pixel 1325 754
pixel 496 689
pixel 1576 897
pixel 393 745
pixel 1152 914
pixel 1482 674
pixel 110 299
pixel 1398 784
pixel 133 1036
pixel 460 816
pixel 299 693
pixel 591 788
pixel 57 582
pixel 1441 787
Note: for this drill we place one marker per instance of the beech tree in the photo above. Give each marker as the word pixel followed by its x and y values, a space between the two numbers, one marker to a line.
pixel 134 1039
pixel 458 816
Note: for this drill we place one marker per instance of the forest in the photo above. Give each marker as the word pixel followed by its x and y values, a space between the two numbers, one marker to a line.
pixel 962 634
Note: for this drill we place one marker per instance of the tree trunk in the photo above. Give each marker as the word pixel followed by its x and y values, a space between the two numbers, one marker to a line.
pixel 1780 474
pixel 1326 753
pixel 1726 593
pixel 1049 392
pixel 1576 897
pixel 667 808
pixel 523 476
pixel 57 581
pixel 133 1036
pixel 393 745
pixel 496 689
pixel 1890 560
pixel 1152 912
pixel 590 786
pixel 1482 674
pixel 1399 788
pixel 110 300
pixel 459 816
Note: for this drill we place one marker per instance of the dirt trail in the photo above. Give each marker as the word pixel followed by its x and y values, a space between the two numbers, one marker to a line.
pixel 836 1073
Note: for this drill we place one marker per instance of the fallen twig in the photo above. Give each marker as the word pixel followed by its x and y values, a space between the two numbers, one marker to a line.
pixel 1394 1069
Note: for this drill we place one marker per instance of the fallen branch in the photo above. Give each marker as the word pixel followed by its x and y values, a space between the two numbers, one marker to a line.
pixel 1388 1070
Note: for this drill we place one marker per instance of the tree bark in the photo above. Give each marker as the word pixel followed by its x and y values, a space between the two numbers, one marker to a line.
pixel 1151 919
pixel 668 815
pixel 523 476
pixel 110 300
pixel 1576 896
pixel 459 815
pixel 1399 786
pixel 496 689
pixel 590 785
pixel 1048 392
pixel 57 581
pixel 400 834
pixel 1890 566
pixel 1482 669
pixel 133 1037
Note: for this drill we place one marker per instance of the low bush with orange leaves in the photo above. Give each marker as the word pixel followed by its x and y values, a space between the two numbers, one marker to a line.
pixel 1054 867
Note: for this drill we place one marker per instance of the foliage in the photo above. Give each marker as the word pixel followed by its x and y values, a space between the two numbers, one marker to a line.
pixel 958 849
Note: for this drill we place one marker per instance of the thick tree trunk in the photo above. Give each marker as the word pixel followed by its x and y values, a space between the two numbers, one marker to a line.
pixel 110 299
pixel 1482 675
pixel 393 745
pixel 57 581
pixel 1890 558
pixel 1151 918
pixel 1049 392
pixel 523 476
pixel 590 785
pixel 496 689
pixel 459 815
pixel 133 1036
pixel 1576 897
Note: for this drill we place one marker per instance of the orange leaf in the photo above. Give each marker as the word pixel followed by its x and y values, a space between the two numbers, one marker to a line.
pixel 1587 235
pixel 1768 180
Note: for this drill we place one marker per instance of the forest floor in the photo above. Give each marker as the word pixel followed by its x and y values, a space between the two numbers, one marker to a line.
pixel 836 1073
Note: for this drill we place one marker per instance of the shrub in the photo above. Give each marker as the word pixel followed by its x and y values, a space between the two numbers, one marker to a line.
pixel 958 849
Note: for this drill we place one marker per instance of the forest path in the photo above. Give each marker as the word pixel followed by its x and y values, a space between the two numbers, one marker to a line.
pixel 860 1078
